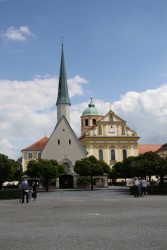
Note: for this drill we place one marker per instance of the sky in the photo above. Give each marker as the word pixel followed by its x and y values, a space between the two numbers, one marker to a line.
pixel 115 51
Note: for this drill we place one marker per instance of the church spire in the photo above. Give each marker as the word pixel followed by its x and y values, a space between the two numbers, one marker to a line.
pixel 63 96
pixel 63 101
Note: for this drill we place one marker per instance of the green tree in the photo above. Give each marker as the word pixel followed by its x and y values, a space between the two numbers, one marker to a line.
pixel 7 169
pixel 148 164
pixel 90 166
pixel 45 169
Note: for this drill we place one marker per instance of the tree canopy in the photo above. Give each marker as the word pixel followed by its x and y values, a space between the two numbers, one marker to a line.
pixel 90 166
pixel 10 170
pixel 148 164
pixel 45 169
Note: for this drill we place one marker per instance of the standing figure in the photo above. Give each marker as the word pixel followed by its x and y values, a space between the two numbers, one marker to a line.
pixel 34 190
pixel 139 188
pixel 136 187
pixel 144 186
pixel 24 186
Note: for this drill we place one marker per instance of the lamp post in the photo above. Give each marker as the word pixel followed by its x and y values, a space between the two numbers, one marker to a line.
pixel 133 168
pixel 18 172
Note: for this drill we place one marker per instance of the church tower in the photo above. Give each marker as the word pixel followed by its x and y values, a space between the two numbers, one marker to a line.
pixel 63 101
pixel 63 144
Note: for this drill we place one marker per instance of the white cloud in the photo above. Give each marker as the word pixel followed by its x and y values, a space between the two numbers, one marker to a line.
pixel 20 34
pixel 146 113
pixel 28 111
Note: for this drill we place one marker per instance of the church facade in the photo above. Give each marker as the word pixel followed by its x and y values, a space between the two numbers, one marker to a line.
pixel 107 137
pixel 63 145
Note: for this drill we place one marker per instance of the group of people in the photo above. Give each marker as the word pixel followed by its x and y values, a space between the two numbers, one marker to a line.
pixel 28 191
pixel 139 187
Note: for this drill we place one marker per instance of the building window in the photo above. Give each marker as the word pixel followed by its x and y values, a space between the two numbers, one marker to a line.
pixel 100 154
pixel 123 130
pixel 29 155
pixel 69 142
pixel 124 154
pixel 86 122
pixel 112 154
pixel 58 142
pixel 94 122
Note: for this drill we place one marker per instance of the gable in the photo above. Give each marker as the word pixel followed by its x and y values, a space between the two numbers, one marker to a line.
pixel 63 143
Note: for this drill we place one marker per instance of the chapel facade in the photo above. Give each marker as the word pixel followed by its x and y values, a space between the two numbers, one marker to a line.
pixel 107 137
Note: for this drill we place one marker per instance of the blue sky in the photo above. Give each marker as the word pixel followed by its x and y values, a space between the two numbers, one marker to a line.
pixel 115 51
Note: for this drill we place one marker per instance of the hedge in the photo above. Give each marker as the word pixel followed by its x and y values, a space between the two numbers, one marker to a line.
pixel 160 189
pixel 9 194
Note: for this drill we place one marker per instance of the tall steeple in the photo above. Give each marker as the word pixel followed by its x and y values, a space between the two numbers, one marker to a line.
pixel 63 101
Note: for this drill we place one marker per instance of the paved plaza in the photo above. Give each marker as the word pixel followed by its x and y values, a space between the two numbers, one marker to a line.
pixel 85 220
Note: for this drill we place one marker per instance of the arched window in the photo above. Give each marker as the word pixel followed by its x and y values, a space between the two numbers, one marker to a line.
pixel 94 122
pixel 123 130
pixel 86 122
pixel 100 154
pixel 124 154
pixel 112 154
pixel 100 130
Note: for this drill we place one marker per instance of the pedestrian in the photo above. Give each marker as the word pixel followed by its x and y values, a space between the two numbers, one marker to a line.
pixel 136 187
pixel 139 188
pixel 144 186
pixel 24 186
pixel 34 190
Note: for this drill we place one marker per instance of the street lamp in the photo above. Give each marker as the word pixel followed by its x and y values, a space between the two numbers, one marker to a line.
pixel 133 168
pixel 18 172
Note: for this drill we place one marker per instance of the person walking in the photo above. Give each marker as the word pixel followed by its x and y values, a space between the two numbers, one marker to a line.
pixel 144 186
pixel 24 186
pixel 34 190
pixel 136 187
pixel 139 188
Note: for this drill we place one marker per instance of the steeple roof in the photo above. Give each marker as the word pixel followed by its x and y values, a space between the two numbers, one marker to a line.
pixel 91 110
pixel 63 96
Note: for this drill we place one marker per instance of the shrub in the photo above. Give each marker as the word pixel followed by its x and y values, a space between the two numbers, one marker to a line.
pixel 83 180
pixel 9 194
pixel 155 189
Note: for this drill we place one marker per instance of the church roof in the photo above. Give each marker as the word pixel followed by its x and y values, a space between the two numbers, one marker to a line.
pixel 91 110
pixel 143 148
pixel 63 96
pixel 162 148
pixel 37 146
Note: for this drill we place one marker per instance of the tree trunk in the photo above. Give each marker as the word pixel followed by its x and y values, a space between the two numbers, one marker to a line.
pixel 91 182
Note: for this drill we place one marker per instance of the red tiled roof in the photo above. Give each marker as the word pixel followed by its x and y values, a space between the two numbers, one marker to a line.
pixel 143 148
pixel 37 146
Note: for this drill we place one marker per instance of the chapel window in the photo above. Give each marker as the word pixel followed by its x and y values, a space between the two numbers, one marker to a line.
pixel 100 155
pixel 124 154
pixel 112 154
pixel 29 155
pixel 94 122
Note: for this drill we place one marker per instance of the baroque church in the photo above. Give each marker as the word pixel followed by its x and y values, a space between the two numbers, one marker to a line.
pixel 107 137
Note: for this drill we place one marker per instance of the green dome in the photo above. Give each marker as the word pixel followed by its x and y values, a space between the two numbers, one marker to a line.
pixel 91 110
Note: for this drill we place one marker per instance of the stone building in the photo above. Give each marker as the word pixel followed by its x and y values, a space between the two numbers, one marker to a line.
pixel 107 137
pixel 63 145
